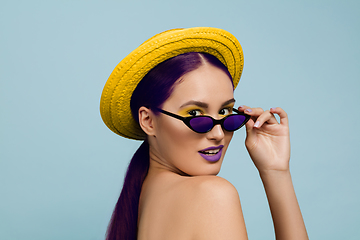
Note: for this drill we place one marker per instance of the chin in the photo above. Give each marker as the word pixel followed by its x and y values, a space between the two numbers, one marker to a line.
pixel 207 169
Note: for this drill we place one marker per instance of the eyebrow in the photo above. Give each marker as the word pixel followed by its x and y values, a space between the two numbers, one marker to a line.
pixel 205 105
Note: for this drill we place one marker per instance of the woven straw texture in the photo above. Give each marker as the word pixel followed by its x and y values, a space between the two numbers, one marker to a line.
pixel 115 99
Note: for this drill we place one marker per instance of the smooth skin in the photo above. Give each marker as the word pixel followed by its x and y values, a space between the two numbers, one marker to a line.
pixel 268 143
pixel 182 198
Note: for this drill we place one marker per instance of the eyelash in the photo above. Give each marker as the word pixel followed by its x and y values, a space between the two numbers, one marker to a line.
pixel 229 110
pixel 191 112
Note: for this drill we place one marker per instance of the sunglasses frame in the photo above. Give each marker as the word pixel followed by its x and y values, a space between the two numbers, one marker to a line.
pixel 187 120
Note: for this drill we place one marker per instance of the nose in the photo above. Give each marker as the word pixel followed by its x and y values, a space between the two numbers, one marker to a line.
pixel 217 133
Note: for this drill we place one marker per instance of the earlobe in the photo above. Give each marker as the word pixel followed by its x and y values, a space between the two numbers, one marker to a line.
pixel 146 121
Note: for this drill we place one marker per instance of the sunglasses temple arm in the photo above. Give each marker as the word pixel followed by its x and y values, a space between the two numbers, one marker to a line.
pixel 237 111
pixel 171 114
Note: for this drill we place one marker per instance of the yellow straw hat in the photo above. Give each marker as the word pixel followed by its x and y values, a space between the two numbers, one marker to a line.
pixel 115 99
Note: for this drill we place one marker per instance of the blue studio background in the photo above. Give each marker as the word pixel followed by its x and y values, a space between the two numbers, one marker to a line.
pixel 61 169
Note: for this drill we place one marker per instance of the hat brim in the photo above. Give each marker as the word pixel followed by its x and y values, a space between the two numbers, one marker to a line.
pixel 115 99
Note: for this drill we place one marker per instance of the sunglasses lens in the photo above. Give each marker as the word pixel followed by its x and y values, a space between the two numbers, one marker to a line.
pixel 201 124
pixel 233 122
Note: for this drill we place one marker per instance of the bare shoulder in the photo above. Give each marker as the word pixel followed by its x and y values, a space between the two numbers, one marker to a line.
pixel 204 189
pixel 214 186
pixel 201 207
pixel 216 209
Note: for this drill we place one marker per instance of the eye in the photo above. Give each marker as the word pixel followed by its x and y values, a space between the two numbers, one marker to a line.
pixel 195 112
pixel 225 111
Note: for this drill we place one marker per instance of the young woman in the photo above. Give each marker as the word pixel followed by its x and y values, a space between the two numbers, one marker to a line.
pixel 175 92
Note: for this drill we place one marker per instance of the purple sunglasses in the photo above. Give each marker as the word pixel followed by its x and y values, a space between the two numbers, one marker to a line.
pixel 203 124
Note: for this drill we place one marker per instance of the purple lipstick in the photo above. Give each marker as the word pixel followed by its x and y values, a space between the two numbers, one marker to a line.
pixel 212 154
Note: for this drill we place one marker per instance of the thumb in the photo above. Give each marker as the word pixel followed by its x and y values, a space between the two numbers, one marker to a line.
pixel 250 134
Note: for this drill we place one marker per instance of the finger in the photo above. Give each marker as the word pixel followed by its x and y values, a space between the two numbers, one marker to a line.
pixel 242 108
pixel 251 111
pixel 258 117
pixel 282 114
pixel 249 125
pixel 254 112
pixel 266 117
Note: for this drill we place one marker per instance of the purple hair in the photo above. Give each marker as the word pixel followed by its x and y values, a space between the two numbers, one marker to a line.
pixel 151 92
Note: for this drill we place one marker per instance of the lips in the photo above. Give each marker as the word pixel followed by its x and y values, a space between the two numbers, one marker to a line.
pixel 212 154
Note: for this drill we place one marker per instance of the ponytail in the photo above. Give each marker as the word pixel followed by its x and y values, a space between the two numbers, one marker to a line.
pixel 123 223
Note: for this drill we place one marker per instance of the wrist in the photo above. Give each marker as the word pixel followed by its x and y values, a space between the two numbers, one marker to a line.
pixel 273 168
pixel 268 175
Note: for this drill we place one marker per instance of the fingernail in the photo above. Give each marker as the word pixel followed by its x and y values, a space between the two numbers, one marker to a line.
pixel 257 124
pixel 241 106
pixel 273 108
pixel 248 110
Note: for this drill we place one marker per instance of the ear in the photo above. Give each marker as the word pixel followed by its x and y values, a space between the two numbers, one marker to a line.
pixel 146 121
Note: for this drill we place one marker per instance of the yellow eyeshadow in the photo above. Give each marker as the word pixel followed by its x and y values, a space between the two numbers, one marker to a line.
pixel 185 112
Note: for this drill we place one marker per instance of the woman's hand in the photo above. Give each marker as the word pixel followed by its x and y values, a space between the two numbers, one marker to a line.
pixel 267 141
pixel 268 144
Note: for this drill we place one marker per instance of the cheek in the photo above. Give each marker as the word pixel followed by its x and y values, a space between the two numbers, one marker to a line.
pixel 227 138
pixel 172 130
pixel 174 138
pixel 179 146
